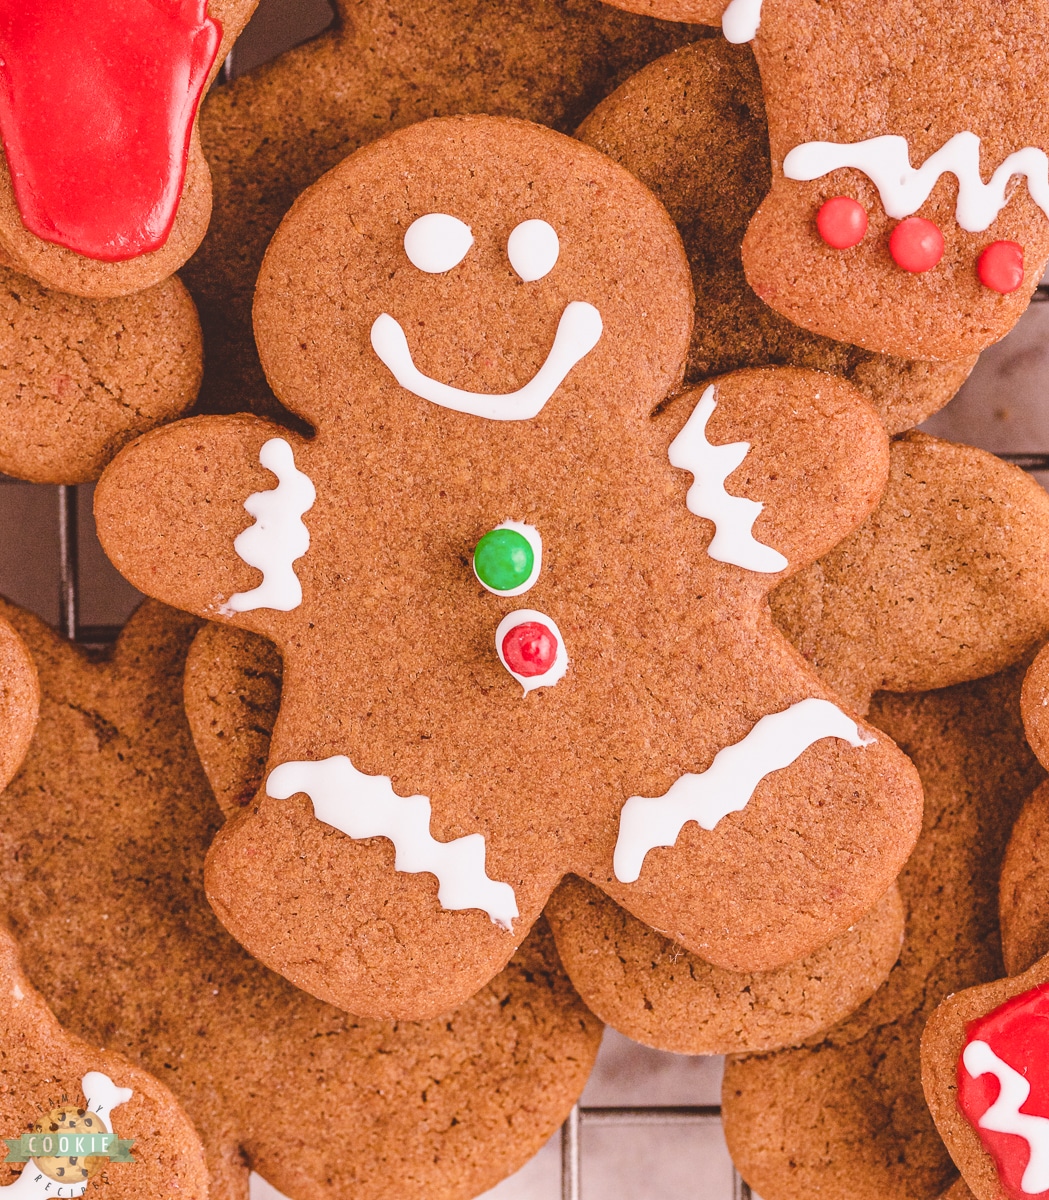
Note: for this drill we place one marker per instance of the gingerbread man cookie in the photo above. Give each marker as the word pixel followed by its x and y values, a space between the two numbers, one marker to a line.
pixel 893 221
pixel 495 556
pixel 845 1116
pixel 19 701
pixel 112 808
pixel 104 189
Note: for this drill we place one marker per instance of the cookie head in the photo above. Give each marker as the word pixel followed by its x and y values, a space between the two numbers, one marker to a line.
pixel 484 266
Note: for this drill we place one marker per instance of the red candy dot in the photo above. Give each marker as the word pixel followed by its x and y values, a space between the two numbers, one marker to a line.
pixel 916 245
pixel 1001 267
pixel 842 222
pixel 530 649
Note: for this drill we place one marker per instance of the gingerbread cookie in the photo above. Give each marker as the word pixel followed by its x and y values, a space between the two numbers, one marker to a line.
pixel 556 470
pixel 380 67
pixel 321 1104
pixel 80 378
pixel 104 189
pixel 845 1116
pixel 862 238
pixel 78 1120
pixel 691 126
pixel 19 701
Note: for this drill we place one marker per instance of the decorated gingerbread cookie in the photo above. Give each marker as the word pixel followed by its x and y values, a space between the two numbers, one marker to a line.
pixel 893 221
pixel 112 808
pixel 81 378
pixel 379 68
pixel 845 1116
pixel 692 127
pixel 78 1120
pixel 104 189
pixel 493 558
pixel 19 701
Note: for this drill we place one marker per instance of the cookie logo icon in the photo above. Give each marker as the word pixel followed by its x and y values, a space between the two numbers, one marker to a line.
pixel 69 1146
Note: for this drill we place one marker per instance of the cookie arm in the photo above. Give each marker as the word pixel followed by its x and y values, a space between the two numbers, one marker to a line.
pixel 208 516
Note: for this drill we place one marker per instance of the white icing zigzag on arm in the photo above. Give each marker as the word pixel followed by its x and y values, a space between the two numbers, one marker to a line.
pixel 1004 1115
pixel 740 21
pixel 728 783
pixel 278 536
pixel 365 806
pixel 886 161
pixel 733 516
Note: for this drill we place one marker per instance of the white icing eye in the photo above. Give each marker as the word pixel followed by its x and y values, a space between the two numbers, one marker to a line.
pixel 437 242
pixel 533 249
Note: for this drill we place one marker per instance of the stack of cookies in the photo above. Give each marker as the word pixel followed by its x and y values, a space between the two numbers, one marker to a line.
pixel 554 618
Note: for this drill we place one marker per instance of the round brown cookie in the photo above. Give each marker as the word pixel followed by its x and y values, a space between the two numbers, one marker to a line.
pixel 691 126
pixel 844 1117
pixel 19 701
pixel 654 991
pixel 53 1083
pixel 112 805
pixel 96 226
pixel 381 67
pixel 946 581
pixel 80 378
pixel 395 687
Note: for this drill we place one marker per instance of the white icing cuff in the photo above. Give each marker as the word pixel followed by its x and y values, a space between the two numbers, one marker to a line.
pixel 278 536
pixel 728 783
pixel 365 806
pixel 733 516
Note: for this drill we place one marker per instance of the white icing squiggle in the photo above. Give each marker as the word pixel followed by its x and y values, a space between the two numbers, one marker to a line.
pixel 578 332
pixel 278 536
pixel 740 21
pixel 733 516
pixel 365 806
pixel 1004 1115
pixel 728 783
pixel 886 161
pixel 102 1096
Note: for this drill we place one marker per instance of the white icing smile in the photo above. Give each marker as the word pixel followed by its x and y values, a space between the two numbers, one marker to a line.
pixel 578 332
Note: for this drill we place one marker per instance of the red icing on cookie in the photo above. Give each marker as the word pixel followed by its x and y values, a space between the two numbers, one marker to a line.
pixel 97 102
pixel 842 222
pixel 1001 267
pixel 1003 1080
pixel 530 649
pixel 916 245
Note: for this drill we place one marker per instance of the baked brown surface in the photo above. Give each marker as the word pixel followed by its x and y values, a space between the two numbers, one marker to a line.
pixel 845 1117
pixel 54 266
pixel 111 804
pixel 19 701
pixel 43 1067
pixel 79 378
pixel 692 127
pixel 381 67
pixel 399 529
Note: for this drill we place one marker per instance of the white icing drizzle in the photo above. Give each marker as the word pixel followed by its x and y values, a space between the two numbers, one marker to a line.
pixel 578 332
pixel 102 1096
pixel 534 539
pixel 886 161
pixel 278 536
pixel 560 664
pixel 740 20
pixel 733 516
pixel 366 806
pixel 1004 1115
pixel 728 783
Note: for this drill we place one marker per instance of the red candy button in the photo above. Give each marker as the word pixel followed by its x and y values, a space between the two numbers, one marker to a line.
pixel 916 245
pixel 96 110
pixel 1001 267
pixel 842 222
pixel 530 649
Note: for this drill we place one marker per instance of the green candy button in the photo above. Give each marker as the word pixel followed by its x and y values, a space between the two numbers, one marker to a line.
pixel 503 559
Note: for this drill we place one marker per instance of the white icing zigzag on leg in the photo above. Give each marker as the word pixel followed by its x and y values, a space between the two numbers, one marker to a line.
pixel 1004 1115
pixel 728 783
pixel 278 536
pixel 733 516
pixel 364 806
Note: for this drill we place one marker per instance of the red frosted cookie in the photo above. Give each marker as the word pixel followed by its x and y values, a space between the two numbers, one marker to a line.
pixel 497 349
